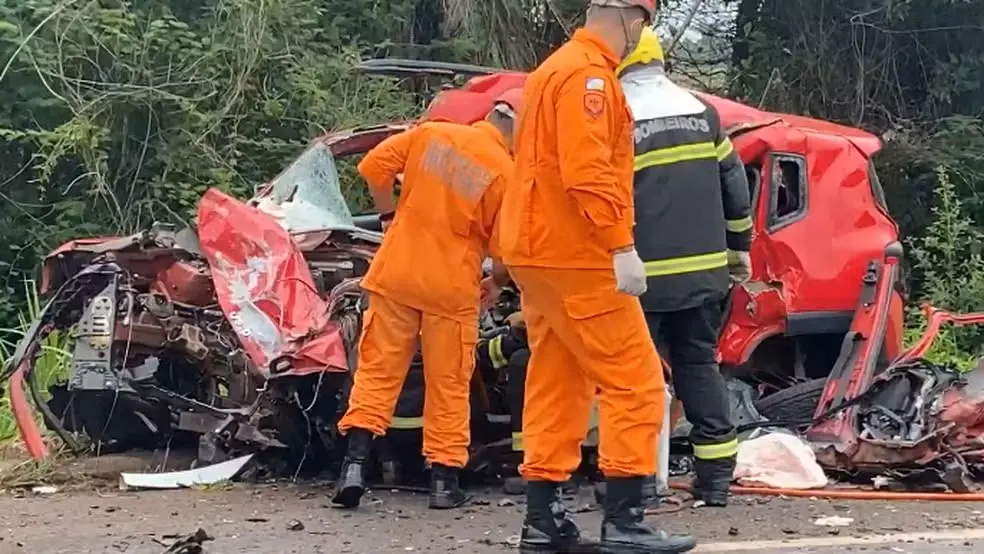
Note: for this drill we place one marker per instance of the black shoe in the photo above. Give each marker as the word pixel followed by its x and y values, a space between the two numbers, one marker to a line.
pixel 351 483
pixel 623 530
pixel 712 481
pixel 549 528
pixel 445 491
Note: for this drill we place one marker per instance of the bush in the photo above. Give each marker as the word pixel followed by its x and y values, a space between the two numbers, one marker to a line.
pixel 51 366
pixel 949 265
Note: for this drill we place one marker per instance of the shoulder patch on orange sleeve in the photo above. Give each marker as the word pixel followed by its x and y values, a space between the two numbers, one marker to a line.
pixel 594 97
pixel 594 103
pixel 595 83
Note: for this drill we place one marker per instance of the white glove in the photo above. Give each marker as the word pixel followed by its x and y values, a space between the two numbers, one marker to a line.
pixel 630 273
pixel 739 266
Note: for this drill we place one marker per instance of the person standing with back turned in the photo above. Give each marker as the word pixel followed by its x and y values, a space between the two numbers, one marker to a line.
pixel 565 231
pixel 693 228
pixel 424 283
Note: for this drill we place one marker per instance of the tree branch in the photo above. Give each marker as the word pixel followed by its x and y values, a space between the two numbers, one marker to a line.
pixel 694 8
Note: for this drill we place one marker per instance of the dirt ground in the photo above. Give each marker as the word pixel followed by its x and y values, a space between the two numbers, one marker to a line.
pixel 88 514
pixel 297 519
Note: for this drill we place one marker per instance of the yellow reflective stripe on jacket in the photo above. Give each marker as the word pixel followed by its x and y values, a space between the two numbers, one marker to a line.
pixel 407 423
pixel 675 154
pixel 498 359
pixel 724 149
pixel 740 225
pixel 688 264
pixel 517 442
pixel 716 451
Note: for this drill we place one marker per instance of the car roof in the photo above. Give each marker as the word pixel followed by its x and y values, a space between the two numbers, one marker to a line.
pixel 473 101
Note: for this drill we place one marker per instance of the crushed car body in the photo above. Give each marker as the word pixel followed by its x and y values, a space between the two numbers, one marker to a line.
pixel 239 337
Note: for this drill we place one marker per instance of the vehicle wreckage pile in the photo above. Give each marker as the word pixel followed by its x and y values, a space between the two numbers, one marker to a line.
pixel 238 337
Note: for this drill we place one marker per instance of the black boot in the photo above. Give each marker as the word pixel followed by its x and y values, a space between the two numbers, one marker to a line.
pixel 650 492
pixel 517 485
pixel 351 483
pixel 549 528
pixel 445 491
pixel 712 481
pixel 623 530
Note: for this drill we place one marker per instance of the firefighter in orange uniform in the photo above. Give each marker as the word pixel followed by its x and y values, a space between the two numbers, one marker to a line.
pixel 425 283
pixel 566 237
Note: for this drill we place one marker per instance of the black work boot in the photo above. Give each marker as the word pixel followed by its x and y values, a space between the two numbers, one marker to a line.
pixel 623 530
pixel 712 481
pixel 351 483
pixel 650 492
pixel 517 486
pixel 549 528
pixel 445 491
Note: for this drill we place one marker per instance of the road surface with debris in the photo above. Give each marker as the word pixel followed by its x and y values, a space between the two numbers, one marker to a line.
pixel 255 519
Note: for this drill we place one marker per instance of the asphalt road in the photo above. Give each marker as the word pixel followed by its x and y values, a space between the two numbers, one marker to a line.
pixel 297 519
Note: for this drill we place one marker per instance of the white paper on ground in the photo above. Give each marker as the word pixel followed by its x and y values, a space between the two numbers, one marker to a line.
pixel 208 475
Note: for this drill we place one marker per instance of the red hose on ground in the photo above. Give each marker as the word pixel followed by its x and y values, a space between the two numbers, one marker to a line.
pixel 848 494
pixel 23 415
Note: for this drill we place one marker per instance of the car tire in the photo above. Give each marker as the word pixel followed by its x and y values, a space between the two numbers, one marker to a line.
pixel 795 403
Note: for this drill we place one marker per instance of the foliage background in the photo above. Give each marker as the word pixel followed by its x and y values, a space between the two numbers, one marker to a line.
pixel 117 113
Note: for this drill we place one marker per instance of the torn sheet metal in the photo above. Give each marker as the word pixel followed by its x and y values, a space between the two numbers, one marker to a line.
pixel 198 477
pixel 919 422
pixel 266 290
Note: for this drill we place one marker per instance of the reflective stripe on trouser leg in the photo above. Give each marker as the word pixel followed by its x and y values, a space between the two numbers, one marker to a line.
pixel 517 442
pixel 407 423
pixel 719 451
pixel 386 347
pixel 448 349
pixel 496 356
pixel 603 334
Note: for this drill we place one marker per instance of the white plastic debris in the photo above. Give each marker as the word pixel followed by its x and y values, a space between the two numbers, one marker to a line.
pixel 44 489
pixel 202 476
pixel 779 461
pixel 834 521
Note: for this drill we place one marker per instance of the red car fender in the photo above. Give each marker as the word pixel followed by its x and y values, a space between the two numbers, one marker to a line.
pixel 757 312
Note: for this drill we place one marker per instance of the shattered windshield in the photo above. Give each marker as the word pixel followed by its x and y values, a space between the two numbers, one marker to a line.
pixel 309 194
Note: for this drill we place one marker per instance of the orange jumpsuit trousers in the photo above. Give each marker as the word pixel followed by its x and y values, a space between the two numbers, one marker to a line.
pixel 584 336
pixel 424 282
pixel 389 340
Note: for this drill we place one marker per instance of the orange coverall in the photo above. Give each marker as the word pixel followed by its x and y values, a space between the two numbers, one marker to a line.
pixel 424 280
pixel 568 209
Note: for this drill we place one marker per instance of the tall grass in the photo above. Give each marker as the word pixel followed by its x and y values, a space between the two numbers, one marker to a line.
pixel 51 366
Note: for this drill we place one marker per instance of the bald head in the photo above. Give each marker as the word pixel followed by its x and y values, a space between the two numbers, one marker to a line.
pixel 619 27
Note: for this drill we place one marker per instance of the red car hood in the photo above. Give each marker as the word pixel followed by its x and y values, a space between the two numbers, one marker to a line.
pixel 266 290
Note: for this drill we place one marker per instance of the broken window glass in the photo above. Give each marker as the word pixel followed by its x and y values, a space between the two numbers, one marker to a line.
pixel 309 193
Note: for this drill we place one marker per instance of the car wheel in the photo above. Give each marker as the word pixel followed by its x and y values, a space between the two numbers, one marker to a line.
pixel 792 404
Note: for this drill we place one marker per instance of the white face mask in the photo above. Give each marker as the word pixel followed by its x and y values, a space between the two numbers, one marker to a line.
pixel 632 37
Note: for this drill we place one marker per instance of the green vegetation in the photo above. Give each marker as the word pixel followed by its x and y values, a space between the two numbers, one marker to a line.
pixel 117 113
